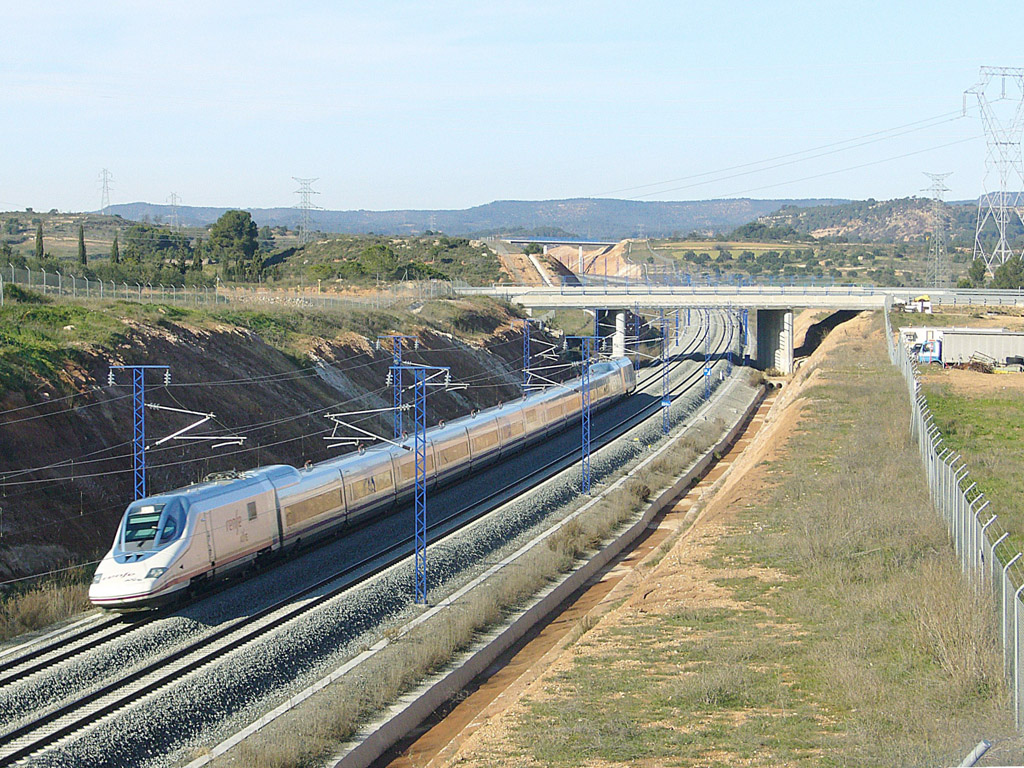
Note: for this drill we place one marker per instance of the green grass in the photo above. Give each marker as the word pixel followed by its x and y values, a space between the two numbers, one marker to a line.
pixel 38 339
pixel 988 433
pixel 40 335
pixel 847 636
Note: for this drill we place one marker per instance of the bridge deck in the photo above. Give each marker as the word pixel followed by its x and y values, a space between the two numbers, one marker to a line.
pixel 834 297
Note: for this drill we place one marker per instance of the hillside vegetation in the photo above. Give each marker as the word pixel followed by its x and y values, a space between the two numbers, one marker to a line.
pixel 236 248
pixel 590 218
pixel 902 220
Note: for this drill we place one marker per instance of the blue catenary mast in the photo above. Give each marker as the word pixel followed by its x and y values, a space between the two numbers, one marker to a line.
pixel 588 345
pixel 666 401
pixel 636 335
pixel 396 386
pixel 139 419
pixel 419 412
pixel 707 354
pixel 526 350
pixel 421 375
pixel 585 413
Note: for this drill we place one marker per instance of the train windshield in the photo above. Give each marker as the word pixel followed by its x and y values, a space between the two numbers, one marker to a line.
pixel 149 526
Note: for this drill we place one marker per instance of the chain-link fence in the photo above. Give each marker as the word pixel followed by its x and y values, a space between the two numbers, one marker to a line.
pixel 992 565
pixel 64 284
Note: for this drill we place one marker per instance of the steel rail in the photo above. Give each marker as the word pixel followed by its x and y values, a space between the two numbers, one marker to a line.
pixel 67 645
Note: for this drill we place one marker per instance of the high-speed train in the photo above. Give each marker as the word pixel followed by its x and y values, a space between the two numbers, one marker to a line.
pixel 178 540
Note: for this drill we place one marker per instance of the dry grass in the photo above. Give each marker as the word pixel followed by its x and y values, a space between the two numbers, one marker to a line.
pixel 836 627
pixel 312 732
pixel 46 603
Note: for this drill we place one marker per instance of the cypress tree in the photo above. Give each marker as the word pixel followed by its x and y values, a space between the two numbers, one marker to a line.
pixel 115 252
pixel 83 259
pixel 39 241
pixel 197 256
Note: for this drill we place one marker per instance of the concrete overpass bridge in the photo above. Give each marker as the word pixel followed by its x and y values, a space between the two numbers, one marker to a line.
pixel 769 308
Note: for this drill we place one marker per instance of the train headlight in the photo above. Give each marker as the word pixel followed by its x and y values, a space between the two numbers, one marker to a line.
pixel 96 578
pixel 155 573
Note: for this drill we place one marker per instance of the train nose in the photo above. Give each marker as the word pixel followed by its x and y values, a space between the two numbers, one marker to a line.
pixel 105 591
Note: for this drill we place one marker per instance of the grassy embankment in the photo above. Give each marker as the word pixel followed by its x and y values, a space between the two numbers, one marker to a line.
pixel 836 628
pixel 40 335
pixel 946 316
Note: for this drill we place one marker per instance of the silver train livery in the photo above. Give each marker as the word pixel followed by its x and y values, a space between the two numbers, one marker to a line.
pixel 178 540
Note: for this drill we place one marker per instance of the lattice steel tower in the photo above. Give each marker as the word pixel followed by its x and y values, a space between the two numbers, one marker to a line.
pixel 938 273
pixel 305 205
pixel 1003 134
pixel 105 179
pixel 174 200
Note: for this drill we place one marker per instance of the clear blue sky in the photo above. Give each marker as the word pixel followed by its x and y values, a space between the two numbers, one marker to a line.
pixel 453 104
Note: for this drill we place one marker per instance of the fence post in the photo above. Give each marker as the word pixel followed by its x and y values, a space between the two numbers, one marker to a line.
pixel 1016 657
pixel 961 517
pixel 968 514
pixel 981 553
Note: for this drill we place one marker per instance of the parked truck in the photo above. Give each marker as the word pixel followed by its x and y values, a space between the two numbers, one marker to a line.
pixel 960 346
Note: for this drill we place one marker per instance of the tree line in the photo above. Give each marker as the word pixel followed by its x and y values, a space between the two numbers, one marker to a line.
pixel 145 252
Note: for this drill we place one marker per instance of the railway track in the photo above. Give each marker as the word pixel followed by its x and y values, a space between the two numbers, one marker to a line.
pixel 35 734
pixel 21 661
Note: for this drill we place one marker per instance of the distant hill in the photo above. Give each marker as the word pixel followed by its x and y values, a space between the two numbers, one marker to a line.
pixel 901 220
pixel 601 219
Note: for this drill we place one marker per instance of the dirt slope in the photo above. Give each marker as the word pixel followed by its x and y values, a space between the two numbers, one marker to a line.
pixel 271 389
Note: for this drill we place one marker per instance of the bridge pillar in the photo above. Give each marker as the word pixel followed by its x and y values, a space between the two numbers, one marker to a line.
pixel 773 330
pixel 619 337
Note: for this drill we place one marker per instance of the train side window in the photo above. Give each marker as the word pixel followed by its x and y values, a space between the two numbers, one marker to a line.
pixel 455 452
pixel 251 506
pixel 383 481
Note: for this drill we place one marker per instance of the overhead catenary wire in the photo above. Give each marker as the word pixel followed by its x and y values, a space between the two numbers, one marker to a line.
pixel 244 430
pixel 856 141
pixel 119 508
pixel 792 181
pixel 860 165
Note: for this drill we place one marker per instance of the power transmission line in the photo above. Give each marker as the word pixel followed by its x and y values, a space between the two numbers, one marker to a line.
pixel 792 157
pixel 174 200
pixel 105 179
pixel 305 205
pixel 1003 160
pixel 938 267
